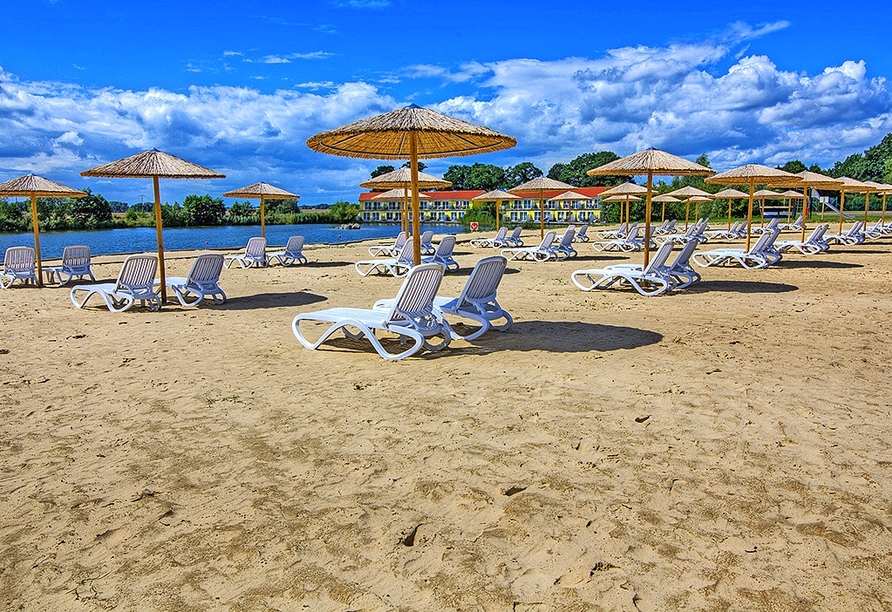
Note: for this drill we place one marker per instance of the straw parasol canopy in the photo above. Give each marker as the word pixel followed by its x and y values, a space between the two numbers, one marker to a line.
pixel 690 191
pixel 624 189
pixel 651 162
pixel 814 180
pixel 411 133
pixel 401 192
pixel 402 177
pixel 729 194
pixel 498 196
pixel 264 191
pixel 539 186
pixel 154 164
pixel 750 174
pixel 35 187
pixel 664 198
pixel 622 198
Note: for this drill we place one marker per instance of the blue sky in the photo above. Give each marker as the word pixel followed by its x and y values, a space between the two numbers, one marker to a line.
pixel 240 86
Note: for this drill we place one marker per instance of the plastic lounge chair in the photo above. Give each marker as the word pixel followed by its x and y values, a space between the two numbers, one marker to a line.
pixel 812 245
pixel 543 252
pixel 202 281
pixel 426 247
pixel 852 236
pixel 582 234
pixel 626 244
pixel 647 281
pixel 495 241
pixel 772 225
pixel 411 316
pixel 795 225
pixel 761 255
pixel 293 253
pixel 513 240
pixel 395 266
pixel 19 264
pixel 443 254
pixel 254 255
pixel 477 300
pixel 390 250
pixel 621 232
pixel 75 262
pixel 564 248
pixel 135 282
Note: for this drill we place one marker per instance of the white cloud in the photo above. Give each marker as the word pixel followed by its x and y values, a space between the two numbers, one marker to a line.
pixel 673 97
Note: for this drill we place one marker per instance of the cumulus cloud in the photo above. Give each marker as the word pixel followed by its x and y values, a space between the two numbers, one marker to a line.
pixel 629 98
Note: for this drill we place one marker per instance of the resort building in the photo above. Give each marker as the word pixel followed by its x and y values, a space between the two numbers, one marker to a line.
pixel 450 207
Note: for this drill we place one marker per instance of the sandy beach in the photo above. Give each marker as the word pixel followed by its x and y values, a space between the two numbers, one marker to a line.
pixel 726 447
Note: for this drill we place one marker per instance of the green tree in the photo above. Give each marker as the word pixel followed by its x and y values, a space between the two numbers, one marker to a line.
pixel 574 172
pixel 12 217
pixel 282 207
pixel 479 176
pixel 344 212
pixel 203 210
pixel 795 166
pixel 91 211
pixel 520 174
pixel 421 165
pixel 458 175
pixel 382 170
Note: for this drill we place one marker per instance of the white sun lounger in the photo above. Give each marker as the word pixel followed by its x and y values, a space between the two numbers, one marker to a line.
pixel 293 253
pixel 647 281
pixel 75 262
pixel 395 266
pixel 389 250
pixel 493 242
pixel 761 255
pixel 411 316
pixel 202 281
pixel 254 255
pixel 19 264
pixel 443 254
pixel 812 245
pixel 135 282
pixel 543 252
pixel 513 240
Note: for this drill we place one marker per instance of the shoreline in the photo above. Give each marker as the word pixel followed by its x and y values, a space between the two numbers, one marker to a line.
pixel 722 447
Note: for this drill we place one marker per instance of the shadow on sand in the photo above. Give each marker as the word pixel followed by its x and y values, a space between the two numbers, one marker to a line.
pixel 815 263
pixel 740 287
pixel 561 337
pixel 272 300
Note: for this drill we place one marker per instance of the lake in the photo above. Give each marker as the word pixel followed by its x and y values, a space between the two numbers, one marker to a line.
pixel 142 239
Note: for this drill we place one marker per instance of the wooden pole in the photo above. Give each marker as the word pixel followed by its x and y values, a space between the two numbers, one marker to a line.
pixel 729 213
pixel 497 215
pixel 36 228
pixel 541 215
pixel 158 226
pixel 883 214
pixel 804 206
pixel 749 215
pixel 262 218
pixel 416 207
pixel 842 204
pixel 647 211
pixel 687 213
pixel 866 205
pixel 404 214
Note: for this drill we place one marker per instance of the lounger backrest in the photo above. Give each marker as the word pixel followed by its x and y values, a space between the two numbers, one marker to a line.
pixel 415 298
pixel 684 255
pixel 633 234
pixel 567 238
pixel 406 254
pixel 401 239
pixel 256 247
pixel 582 230
pixel 446 246
pixel 546 241
pixel 295 244
pixel 516 232
pixel 137 273
pixel 484 280
pixel 765 239
pixel 819 232
pixel 76 256
pixel 500 235
pixel 426 237
pixel 659 259
pixel 206 268
pixel 19 259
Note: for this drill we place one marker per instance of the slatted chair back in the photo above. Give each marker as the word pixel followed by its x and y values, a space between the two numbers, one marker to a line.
pixel 295 245
pixel 256 248
pixel 426 238
pixel 484 280
pixel 19 261
pixel 515 233
pixel 76 258
pixel 682 260
pixel 206 269
pixel 547 241
pixel 445 247
pixel 415 300
pixel 137 274
pixel 582 234
pixel 659 259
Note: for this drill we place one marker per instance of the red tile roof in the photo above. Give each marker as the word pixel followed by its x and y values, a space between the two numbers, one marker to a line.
pixel 467 194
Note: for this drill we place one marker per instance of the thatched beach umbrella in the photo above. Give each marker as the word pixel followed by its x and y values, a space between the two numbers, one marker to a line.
pixel 411 133
pixel 762 195
pixel 814 180
pixel 402 177
pixel 697 200
pixel 850 185
pixel 539 186
pixel 663 199
pixel 37 187
pixel 625 189
pixel 264 191
pixel 790 195
pixel 651 162
pixel 569 196
pixel 687 193
pixel 498 196
pixel 729 194
pixel 154 164
pixel 883 190
pixel 750 174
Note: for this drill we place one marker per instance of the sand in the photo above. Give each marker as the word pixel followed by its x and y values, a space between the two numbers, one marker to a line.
pixel 722 448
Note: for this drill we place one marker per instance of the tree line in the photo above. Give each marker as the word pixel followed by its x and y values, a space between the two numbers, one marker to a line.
pixel 95 212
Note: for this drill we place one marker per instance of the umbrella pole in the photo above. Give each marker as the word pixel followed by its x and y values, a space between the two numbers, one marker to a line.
pixel 842 204
pixel 687 214
pixel 663 216
pixel 497 215
pixel 416 221
pixel 647 210
pixel 160 239
pixel 262 218
pixel 866 205
pixel 541 214
pixel 804 202
pixel 404 216
pixel 697 211
pixel 749 215
pixel 729 214
pixel 789 208
pixel 35 226
pixel 883 214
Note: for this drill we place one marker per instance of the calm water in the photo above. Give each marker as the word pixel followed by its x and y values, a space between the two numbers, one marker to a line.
pixel 141 239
